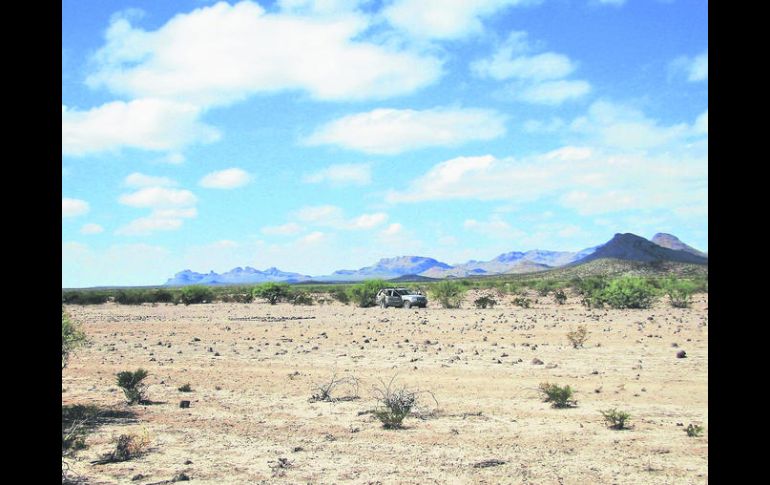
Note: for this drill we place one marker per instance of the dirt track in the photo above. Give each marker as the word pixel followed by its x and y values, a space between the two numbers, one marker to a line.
pixel 255 367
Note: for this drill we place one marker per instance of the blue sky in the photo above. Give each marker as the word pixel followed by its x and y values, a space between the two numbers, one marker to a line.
pixel 320 135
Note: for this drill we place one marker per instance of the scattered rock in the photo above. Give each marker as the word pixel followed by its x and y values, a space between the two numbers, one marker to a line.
pixel 184 405
pixel 489 463
pixel 537 361
pixel 681 354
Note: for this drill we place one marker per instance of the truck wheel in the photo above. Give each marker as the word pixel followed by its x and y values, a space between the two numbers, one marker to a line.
pixel 407 304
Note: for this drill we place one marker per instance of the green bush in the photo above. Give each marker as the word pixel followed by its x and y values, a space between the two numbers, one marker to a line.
pixel 560 297
pixel 84 297
pixel 679 292
pixel 340 295
pixel 71 338
pixel 196 294
pixel 185 388
pixel 449 293
pixel 272 292
pixel 616 419
pixel 132 385
pixel 484 302
pixel 628 292
pixel 522 302
pixel 560 397
pixel 364 294
pixel 395 405
pixel 694 430
pixel 301 298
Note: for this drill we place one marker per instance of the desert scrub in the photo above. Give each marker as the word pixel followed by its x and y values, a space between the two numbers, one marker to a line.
pixel 302 298
pixel 578 337
pixel 364 294
pixel 484 302
pixel 449 293
pixel 196 294
pixel 185 388
pixel 629 292
pixel 325 390
pixel 340 295
pixel 71 338
pixel 522 302
pixel 272 292
pixel 394 404
pixel 679 292
pixel 616 419
pixel 560 397
pixel 694 430
pixel 84 297
pixel 560 297
pixel 127 446
pixel 133 385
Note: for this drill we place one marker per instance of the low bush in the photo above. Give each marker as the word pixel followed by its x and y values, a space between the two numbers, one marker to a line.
pixel 302 298
pixel 84 297
pixel 71 338
pixel 679 292
pixel 522 301
pixel 340 295
pixel 132 385
pixel 560 397
pixel 448 293
pixel 185 388
pixel 616 419
pixel 364 294
pixel 560 297
pixel 694 430
pixel 484 302
pixel 196 294
pixel 578 337
pixel 127 446
pixel 394 404
pixel 272 292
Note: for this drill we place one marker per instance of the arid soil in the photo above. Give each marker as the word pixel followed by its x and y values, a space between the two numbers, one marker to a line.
pixel 254 367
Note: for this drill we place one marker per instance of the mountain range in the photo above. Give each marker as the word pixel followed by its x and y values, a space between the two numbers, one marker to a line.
pixel 627 247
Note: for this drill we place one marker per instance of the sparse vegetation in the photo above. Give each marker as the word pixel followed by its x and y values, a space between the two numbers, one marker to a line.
pixel 272 292
pixel 325 390
pixel 484 302
pixel 132 385
pixel 522 301
pixel 679 292
pixel 302 298
pixel 625 292
pixel 185 388
pixel 578 337
pixel 560 397
pixel 616 419
pixel 196 294
pixel 448 293
pixel 71 338
pixel 127 446
pixel 395 404
pixel 694 430
pixel 364 294
pixel 560 297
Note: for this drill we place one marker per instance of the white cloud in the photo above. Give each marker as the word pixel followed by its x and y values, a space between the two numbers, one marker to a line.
pixel 147 225
pixel 494 227
pixel 91 229
pixel 392 131
pixel 283 230
pixel 224 53
pixel 319 7
pixel 551 126
pixel 368 221
pixel 392 230
pixel 342 174
pixel 230 178
pixel 539 78
pixel 73 207
pixel 695 68
pixel 159 197
pixel 333 216
pixel 444 19
pixel 553 92
pixel 702 124
pixel 173 158
pixel 312 238
pixel 147 124
pixel 138 180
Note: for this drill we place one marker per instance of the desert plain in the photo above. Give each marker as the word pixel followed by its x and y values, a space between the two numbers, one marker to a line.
pixel 253 368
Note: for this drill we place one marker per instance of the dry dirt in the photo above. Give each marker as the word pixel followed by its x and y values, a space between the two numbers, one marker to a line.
pixel 255 366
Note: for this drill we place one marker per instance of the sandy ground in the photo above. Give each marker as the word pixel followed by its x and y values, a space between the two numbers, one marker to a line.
pixel 255 366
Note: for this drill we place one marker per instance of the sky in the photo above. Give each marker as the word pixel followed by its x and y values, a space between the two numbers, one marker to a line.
pixel 317 135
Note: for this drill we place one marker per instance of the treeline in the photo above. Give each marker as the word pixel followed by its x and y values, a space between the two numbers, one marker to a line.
pixel 593 291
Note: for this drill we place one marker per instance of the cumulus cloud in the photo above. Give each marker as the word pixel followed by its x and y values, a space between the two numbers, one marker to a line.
pixel 444 19
pixel 333 216
pixel 139 180
pixel 494 227
pixel 147 124
pixel 73 207
pixel 392 230
pixel 342 174
pixel 169 209
pixel 91 229
pixel 223 53
pixel 538 78
pixel 392 131
pixel 230 178
pixel 696 68
pixel 159 198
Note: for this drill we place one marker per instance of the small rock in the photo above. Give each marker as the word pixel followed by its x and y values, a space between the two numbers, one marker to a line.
pixel 537 361
pixel 136 477
pixel 681 354
pixel 184 405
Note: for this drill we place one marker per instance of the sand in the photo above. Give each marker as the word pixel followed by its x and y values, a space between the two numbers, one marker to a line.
pixel 256 366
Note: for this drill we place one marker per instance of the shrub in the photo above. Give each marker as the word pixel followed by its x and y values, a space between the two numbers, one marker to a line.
pixel 395 404
pixel 560 297
pixel 522 302
pixel 484 302
pixel 561 397
pixel 132 385
pixel 694 430
pixel 185 388
pixel 196 294
pixel 84 297
pixel 323 391
pixel 71 338
pixel 365 293
pixel 302 298
pixel 544 287
pixel 679 292
pixel 341 295
pixel 449 293
pixel 127 446
pixel 616 419
pixel 628 292
pixel 578 337
pixel 272 292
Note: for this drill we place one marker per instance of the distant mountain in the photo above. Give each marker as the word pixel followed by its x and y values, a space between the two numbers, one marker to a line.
pixel 672 242
pixel 512 262
pixel 235 276
pixel 387 268
pixel 630 247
